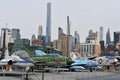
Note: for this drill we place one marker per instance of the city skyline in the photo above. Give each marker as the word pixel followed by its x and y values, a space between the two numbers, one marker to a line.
pixel 84 15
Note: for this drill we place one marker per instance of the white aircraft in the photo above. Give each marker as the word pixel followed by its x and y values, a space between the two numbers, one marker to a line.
pixel 82 63
pixel 14 59
pixel 106 60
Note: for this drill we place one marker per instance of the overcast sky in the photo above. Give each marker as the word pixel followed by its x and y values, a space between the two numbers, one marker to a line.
pixel 27 15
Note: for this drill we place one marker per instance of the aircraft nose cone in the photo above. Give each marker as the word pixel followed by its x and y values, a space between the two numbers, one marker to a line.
pixel 113 63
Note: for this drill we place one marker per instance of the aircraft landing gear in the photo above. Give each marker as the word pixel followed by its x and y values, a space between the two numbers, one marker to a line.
pixel 90 69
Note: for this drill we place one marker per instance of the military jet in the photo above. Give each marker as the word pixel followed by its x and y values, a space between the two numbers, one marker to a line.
pixel 106 62
pixel 82 63
pixel 13 60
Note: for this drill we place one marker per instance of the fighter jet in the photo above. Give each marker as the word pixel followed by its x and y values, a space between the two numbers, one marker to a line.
pixel 13 60
pixel 106 60
pixel 82 63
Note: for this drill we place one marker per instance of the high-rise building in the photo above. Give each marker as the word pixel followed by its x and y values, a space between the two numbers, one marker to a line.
pixel 108 39
pixel 40 30
pixel 16 33
pixel 116 37
pixel 101 33
pixel 41 37
pixel 70 44
pixel 76 41
pixel 77 37
pixel 102 47
pixel 92 45
pixel 33 37
pixel 89 48
pixel 60 44
pixel 48 25
pixel 93 37
pixel 42 40
pixel 8 36
pixel 21 44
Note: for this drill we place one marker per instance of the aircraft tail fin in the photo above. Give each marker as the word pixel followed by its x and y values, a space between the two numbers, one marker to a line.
pixel 74 55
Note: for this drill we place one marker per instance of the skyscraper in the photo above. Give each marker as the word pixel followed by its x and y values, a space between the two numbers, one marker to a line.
pixel 16 33
pixel 41 37
pixel 76 41
pixel 101 33
pixel 93 37
pixel 48 25
pixel 116 37
pixel 8 36
pixel 33 37
pixel 40 30
pixel 77 37
pixel 108 39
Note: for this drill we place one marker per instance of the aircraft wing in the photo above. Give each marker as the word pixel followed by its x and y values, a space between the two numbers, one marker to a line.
pixel 77 67
pixel 77 64
pixel 16 63
pixel 5 62
pixel 23 64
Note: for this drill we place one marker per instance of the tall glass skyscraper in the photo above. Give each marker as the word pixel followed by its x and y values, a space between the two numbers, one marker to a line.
pixel 48 25
pixel 116 37
pixel 16 33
